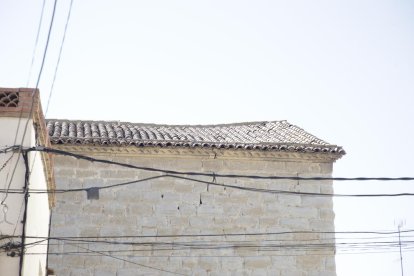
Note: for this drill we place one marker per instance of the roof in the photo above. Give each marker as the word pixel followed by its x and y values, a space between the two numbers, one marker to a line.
pixel 269 136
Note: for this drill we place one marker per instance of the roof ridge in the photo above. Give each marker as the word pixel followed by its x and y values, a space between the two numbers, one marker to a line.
pixel 174 125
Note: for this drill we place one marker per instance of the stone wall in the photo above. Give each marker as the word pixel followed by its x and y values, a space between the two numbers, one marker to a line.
pixel 174 207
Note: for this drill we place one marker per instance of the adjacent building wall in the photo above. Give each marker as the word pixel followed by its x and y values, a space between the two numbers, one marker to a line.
pixel 179 207
pixel 37 221
pixel 10 265
pixel 38 212
pixel 20 108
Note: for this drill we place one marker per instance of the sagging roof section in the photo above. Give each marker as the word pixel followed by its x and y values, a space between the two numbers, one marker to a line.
pixel 268 136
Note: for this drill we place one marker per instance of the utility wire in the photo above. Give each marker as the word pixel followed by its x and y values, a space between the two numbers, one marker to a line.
pixel 27 83
pixel 173 172
pixel 271 191
pixel 128 252
pixel 250 245
pixel 7 149
pixel 131 262
pixel 32 96
pixel 57 191
pixel 333 238
pixel 6 162
pixel 36 42
pixel 363 243
pixel 75 238
pixel 352 241
pixel 24 135
pixel 277 247
pixel 343 252
pixel 208 244
pixel 213 183
pixel 173 245
pixel 55 73
pixel 60 54
pixel 104 161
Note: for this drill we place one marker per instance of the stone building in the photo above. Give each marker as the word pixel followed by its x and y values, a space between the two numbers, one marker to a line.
pixel 195 224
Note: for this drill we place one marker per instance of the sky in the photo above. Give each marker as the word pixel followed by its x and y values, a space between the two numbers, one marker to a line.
pixel 342 70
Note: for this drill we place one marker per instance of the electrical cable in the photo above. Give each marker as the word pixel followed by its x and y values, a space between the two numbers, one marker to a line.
pixel 279 249
pixel 57 191
pixel 18 217
pixel 214 244
pixel 36 42
pixel 7 149
pixel 28 79
pixel 271 247
pixel 132 262
pixel 104 161
pixel 6 162
pixel 59 56
pixel 249 245
pixel 288 192
pixel 221 185
pixel 345 252
pixel 280 240
pixel 213 183
pixel 214 234
pixel 130 251
pixel 199 245
pixel 172 172
pixel 32 96
pixel 25 199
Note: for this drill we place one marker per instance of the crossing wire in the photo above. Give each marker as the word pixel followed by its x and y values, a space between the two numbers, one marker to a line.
pixel 212 183
pixel 126 165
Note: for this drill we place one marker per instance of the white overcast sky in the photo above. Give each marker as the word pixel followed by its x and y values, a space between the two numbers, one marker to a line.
pixel 342 70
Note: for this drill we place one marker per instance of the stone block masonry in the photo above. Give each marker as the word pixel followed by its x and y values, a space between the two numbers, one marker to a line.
pixel 175 207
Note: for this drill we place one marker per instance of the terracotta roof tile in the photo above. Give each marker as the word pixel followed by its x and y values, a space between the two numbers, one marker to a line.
pixel 274 136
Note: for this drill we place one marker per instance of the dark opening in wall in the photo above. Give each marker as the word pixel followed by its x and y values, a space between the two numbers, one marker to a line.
pixel 9 99
pixel 92 193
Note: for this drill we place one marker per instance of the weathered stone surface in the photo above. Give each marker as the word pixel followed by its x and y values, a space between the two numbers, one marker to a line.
pixel 170 206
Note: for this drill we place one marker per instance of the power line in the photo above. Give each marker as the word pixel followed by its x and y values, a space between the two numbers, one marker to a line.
pixel 25 131
pixel 104 161
pixel 344 252
pixel 26 200
pixel 32 96
pixel 215 234
pixel 334 239
pixel 399 242
pixel 277 247
pixel 177 175
pixel 214 244
pixel 245 244
pixel 55 73
pixel 59 56
pixel 131 262
pixel 362 243
pixel 45 191
pixel 284 249
pixel 36 42
pixel 7 149
pixel 288 192
pixel 319 238
pixel 6 162
pixel 27 84
pixel 213 183
pixel 173 172
pixel 257 245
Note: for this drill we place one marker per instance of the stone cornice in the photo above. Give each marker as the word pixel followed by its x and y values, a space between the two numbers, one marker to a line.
pixel 199 153
pixel 42 138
